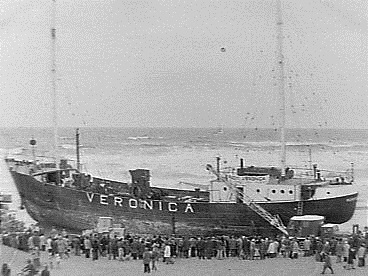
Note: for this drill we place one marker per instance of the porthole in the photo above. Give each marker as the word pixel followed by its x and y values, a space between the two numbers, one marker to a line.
pixel 273 191
pixel 258 190
pixel 282 191
pixel 291 192
pixel 328 193
pixel 225 189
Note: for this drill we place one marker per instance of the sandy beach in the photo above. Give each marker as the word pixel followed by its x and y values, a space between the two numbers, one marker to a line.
pixel 80 266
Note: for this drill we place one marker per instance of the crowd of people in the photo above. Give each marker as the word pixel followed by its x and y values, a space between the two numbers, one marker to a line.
pixel 350 252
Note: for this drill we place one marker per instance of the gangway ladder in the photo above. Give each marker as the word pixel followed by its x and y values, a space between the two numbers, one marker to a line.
pixel 273 220
pixel 299 210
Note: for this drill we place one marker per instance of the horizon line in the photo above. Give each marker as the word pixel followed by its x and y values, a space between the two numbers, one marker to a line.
pixel 185 127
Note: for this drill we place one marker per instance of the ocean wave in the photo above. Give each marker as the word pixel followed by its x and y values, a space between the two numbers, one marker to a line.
pixel 16 151
pixel 303 144
pixel 66 138
pixel 67 146
pixel 73 147
pixel 154 145
pixel 147 145
pixel 139 137
pixel 353 145
pixel 254 144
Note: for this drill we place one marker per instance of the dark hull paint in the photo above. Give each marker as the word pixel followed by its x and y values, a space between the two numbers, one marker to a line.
pixel 78 210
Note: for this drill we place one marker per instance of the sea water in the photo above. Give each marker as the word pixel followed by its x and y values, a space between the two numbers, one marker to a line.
pixel 179 155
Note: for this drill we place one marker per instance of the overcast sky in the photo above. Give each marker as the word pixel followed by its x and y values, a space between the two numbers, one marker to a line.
pixel 159 63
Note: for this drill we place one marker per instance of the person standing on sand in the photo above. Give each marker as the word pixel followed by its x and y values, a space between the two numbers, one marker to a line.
pixel 294 249
pixel 246 248
pixel 272 249
pixel 167 253
pixel 200 248
pixel 135 248
pixel 232 246
pixel 220 249
pixel 361 255
pixel 346 248
pixel 252 246
pixel 326 247
pixel 104 245
pixel 42 242
pixel 339 250
pixel 95 249
pixel 263 249
pixel 351 257
pixel 239 248
pixel 208 248
pixel 87 246
pixel 45 271
pixel 54 252
pixel 5 271
pixel 48 245
pixel 155 256
pixel 53 232
pixel 61 246
pixel 147 255
pixel 30 243
pixel 307 247
pixel 186 246
pixel 121 249
pixel 76 245
pixel 114 247
pixel 36 256
pixel 29 269
pixel 326 262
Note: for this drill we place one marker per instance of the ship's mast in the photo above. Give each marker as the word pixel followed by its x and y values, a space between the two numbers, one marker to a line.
pixel 280 66
pixel 53 83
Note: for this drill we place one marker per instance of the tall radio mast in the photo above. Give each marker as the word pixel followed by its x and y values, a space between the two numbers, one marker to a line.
pixel 53 83
pixel 280 66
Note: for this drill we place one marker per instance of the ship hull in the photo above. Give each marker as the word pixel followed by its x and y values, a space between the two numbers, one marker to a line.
pixel 79 210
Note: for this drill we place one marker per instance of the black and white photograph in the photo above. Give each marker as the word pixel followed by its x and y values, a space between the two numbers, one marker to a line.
pixel 178 137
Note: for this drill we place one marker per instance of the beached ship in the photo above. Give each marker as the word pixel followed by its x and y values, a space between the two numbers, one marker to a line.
pixel 247 198
pixel 70 199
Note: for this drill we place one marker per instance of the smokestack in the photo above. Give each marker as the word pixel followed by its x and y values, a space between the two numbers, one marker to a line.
pixel 197 192
pixel 314 171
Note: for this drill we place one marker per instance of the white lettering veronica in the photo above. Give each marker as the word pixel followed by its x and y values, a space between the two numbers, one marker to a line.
pixel 103 200
pixel 90 196
pixel 133 203
pixel 142 204
pixel 118 200
pixel 147 204
pixel 189 208
pixel 170 206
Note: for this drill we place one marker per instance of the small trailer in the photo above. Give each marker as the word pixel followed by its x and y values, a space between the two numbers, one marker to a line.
pixel 307 225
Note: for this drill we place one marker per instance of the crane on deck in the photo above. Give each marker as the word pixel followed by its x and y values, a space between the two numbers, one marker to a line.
pixel 273 220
